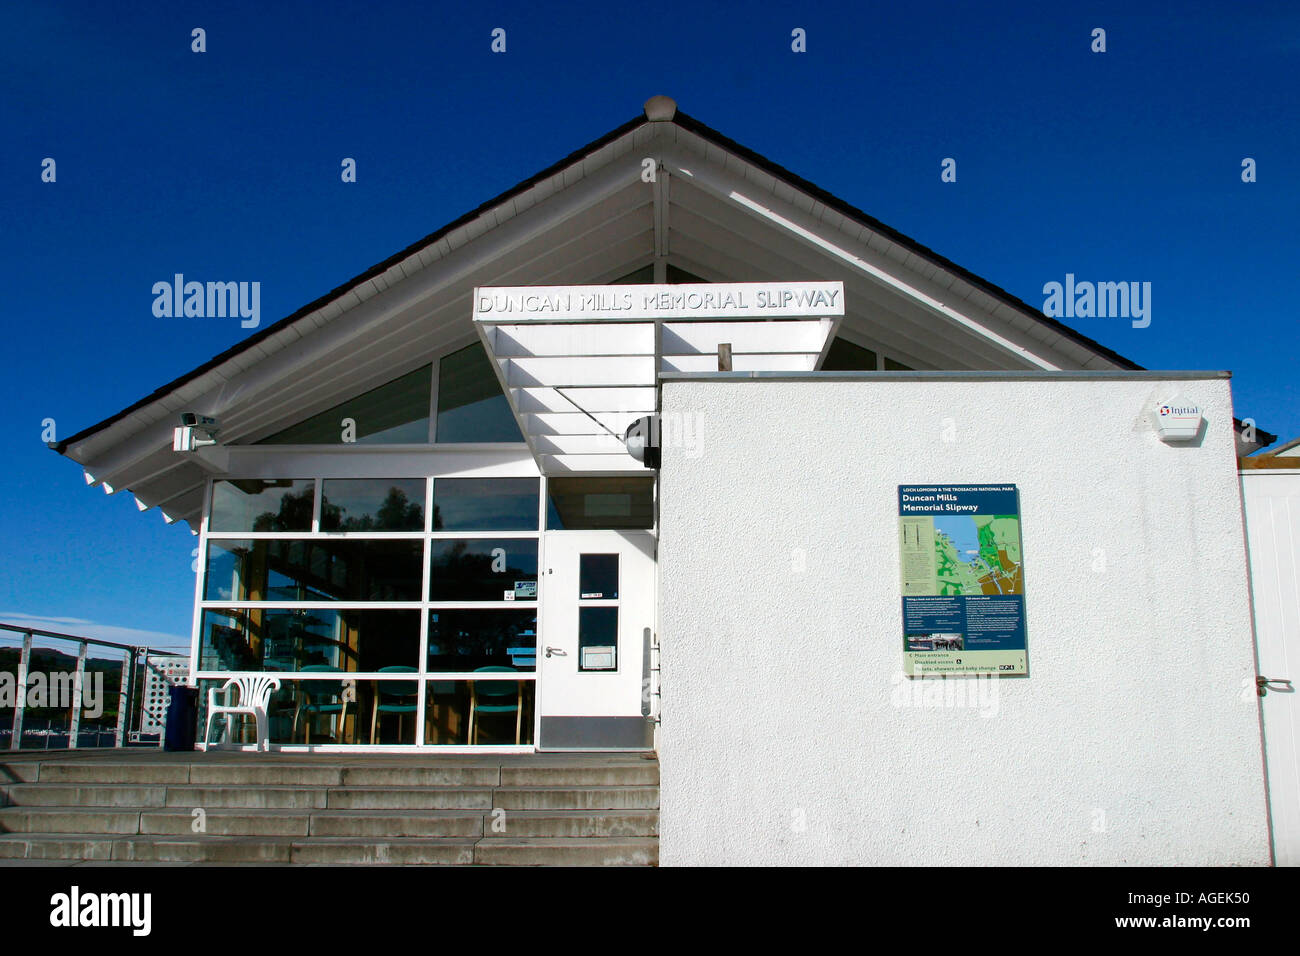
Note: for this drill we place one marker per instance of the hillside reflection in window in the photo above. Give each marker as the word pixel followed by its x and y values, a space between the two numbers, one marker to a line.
pixel 372 504
pixel 485 504
pixel 258 504
pixel 312 639
pixel 465 640
pixel 483 569
pixel 313 570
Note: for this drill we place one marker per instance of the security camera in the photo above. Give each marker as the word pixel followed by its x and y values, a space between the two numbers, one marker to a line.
pixel 206 422
pixel 196 431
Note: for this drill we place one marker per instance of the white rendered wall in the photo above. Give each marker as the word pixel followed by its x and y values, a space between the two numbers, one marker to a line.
pixel 789 735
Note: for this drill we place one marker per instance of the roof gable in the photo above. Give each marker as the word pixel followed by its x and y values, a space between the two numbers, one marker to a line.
pixel 715 209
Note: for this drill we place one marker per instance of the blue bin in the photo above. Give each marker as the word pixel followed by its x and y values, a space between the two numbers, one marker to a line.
pixel 182 718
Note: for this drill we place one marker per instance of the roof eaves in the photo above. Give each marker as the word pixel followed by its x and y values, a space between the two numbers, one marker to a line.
pixel 846 209
pixel 351 285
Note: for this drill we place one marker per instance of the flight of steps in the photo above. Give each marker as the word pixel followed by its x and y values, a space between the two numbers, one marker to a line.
pixel 123 807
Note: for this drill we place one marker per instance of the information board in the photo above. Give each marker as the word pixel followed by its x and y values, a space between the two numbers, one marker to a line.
pixel 963 580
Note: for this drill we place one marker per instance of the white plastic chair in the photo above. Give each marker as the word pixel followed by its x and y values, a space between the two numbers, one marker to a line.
pixel 254 693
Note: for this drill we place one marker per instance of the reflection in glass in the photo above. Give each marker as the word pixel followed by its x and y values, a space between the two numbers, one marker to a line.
pixel 279 569
pixel 845 356
pixel 464 640
pixel 499 709
pixel 485 504
pixel 492 710
pixel 393 414
pixel 483 569
pixel 372 504
pixel 579 504
pixel 297 639
pixel 471 406
pixel 598 577
pixel 258 504
pixel 597 638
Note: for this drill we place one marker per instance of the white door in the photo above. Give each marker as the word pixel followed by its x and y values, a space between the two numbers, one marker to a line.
pixel 597 618
pixel 1272 500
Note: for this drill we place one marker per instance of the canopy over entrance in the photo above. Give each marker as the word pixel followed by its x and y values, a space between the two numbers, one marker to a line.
pixel 579 364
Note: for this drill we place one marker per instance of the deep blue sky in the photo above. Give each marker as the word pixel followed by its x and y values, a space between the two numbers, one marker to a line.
pixel 225 165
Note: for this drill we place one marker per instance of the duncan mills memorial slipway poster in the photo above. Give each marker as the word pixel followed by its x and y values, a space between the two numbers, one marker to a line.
pixel 963 580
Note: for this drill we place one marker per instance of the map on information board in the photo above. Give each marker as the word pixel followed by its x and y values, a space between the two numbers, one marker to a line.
pixel 962 580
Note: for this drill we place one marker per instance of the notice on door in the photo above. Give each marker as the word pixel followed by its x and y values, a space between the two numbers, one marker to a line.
pixel 963 580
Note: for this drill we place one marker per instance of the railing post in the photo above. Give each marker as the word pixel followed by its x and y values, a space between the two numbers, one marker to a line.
pixel 15 741
pixel 78 682
pixel 123 695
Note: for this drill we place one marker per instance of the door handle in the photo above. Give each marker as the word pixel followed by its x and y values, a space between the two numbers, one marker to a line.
pixel 557 651
pixel 1262 683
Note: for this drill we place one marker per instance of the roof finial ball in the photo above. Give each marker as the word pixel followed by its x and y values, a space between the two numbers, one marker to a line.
pixel 660 109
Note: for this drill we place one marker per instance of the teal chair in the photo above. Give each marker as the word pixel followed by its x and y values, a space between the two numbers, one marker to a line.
pixel 496 691
pixel 394 697
pixel 320 697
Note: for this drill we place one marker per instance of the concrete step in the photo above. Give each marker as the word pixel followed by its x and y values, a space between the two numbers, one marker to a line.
pixel 331 823
pixel 352 851
pixel 99 809
pixel 568 852
pixel 278 773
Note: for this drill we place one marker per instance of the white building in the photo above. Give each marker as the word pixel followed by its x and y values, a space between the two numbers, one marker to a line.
pixel 420 512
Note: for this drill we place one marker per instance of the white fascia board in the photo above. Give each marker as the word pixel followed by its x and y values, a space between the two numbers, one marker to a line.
pixel 107 452
pixel 803 227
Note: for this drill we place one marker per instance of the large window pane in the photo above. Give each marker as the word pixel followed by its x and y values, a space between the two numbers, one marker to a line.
pixel 309 639
pixel 471 406
pixel 393 414
pixel 261 504
pixel 501 711
pixel 372 504
pixel 320 710
pixel 485 504
pixel 467 640
pixel 578 504
pixel 483 569
pixel 313 570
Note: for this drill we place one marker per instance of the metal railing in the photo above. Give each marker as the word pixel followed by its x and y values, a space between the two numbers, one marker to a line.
pixel 128 696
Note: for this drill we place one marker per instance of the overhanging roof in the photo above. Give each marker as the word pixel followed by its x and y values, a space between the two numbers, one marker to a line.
pixel 729 215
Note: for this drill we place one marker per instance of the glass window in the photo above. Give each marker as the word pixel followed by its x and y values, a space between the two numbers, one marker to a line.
pixel 372 504
pixel 485 504
pixel 393 414
pixel 308 639
pixel 278 569
pixel 597 638
pixel 643 276
pixel 483 569
pixel 471 406
pixel 844 356
pixel 578 504
pixel 258 504
pixel 467 640
pixel 598 577
pixel 676 276
pixel 500 711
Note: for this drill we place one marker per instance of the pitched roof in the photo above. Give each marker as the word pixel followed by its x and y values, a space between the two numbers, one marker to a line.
pixel 686 122
pixel 103 439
